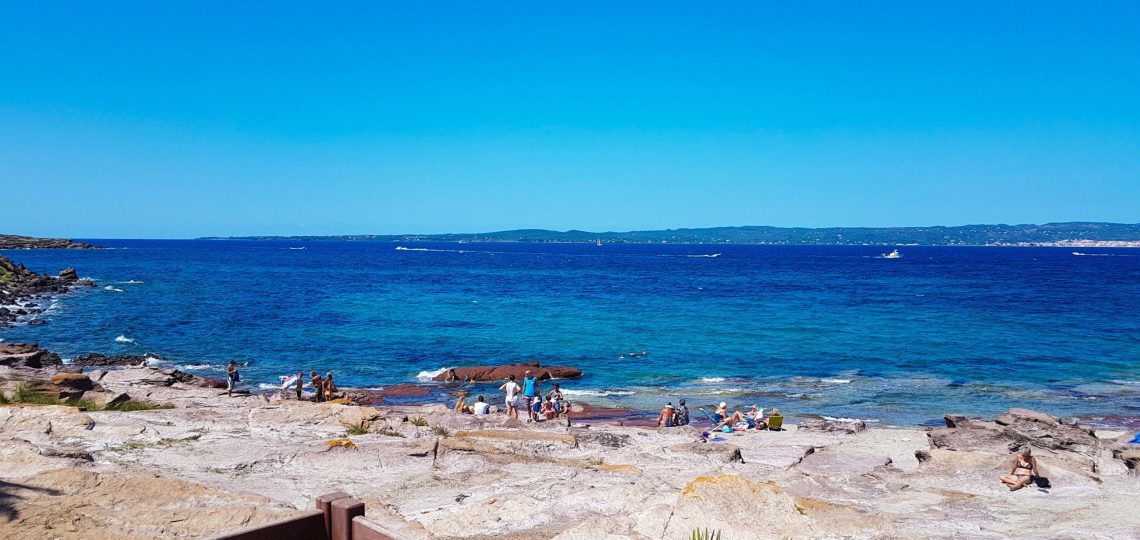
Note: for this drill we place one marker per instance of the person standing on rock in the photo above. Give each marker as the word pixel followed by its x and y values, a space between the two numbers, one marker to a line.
pixel 330 386
pixel 232 377
pixel 318 385
pixel 1023 471
pixel 531 389
pixel 511 389
pixel 300 383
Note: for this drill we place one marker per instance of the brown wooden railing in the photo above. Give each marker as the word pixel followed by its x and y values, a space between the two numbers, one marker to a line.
pixel 337 517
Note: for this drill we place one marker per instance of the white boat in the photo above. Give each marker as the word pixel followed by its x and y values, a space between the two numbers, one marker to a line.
pixel 892 255
pixel 599 242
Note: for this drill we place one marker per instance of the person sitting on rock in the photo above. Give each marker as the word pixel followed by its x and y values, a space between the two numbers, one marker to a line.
pixel 461 406
pixel 481 406
pixel 666 418
pixel 555 396
pixel 547 410
pixel 681 416
pixel 318 385
pixel 1023 471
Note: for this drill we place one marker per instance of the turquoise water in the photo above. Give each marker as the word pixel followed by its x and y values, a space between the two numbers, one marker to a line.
pixel 835 331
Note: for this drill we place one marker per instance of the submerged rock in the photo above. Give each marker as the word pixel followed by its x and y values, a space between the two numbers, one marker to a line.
pixel 101 360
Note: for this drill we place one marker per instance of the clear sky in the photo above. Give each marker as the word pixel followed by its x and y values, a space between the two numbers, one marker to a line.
pixel 183 119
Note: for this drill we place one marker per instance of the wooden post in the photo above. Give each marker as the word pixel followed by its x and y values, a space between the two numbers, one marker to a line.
pixel 324 504
pixel 343 510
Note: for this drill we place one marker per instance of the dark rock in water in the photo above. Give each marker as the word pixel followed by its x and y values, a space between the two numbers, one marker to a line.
pixel 100 360
pixel 18 284
pixel 37 322
pixel 833 426
pixel 364 398
pixel 405 390
pixel 28 355
pixel 498 373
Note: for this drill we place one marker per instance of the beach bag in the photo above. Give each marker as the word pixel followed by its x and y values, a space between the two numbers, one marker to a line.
pixel 1042 482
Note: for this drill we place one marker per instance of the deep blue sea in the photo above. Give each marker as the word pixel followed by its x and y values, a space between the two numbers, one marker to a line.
pixel 833 331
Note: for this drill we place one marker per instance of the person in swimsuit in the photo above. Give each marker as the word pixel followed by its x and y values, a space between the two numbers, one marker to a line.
pixel 555 396
pixel 667 416
pixel 1023 471
pixel 300 383
pixel 330 386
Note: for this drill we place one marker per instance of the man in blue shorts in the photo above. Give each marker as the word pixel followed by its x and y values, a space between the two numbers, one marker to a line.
pixel 530 391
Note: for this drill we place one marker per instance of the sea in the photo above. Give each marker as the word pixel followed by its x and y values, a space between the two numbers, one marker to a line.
pixel 816 331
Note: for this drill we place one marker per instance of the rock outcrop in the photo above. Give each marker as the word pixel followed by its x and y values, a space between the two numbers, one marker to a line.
pixel 498 373
pixel 103 360
pixel 22 291
pixel 27 355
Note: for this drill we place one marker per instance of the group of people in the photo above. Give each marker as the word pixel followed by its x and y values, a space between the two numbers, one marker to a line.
pixel 679 416
pixel 527 396
pixel 325 387
pixel 673 416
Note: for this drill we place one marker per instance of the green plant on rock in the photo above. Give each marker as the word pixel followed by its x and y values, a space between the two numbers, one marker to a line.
pixel 420 422
pixel 357 428
pixel 705 534
pixel 441 431
pixel 26 394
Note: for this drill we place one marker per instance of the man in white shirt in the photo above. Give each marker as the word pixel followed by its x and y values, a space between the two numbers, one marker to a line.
pixel 511 389
pixel 482 407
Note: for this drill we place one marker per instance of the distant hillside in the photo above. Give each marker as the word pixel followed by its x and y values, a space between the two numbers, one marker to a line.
pixel 8 241
pixel 1076 233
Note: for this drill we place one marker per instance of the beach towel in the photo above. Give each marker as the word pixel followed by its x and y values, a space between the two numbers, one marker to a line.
pixel 1135 440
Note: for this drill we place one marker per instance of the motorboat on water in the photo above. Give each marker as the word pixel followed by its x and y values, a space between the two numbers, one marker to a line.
pixel 892 255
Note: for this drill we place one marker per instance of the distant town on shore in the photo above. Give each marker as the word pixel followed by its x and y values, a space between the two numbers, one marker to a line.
pixel 1075 234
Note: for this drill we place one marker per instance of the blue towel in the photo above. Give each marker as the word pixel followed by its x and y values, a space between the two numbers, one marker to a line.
pixel 1135 440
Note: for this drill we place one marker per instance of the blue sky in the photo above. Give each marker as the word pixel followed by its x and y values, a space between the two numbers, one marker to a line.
pixel 184 119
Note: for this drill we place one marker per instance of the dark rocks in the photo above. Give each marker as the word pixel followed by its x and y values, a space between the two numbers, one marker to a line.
pixel 498 373
pixel 28 355
pixel 602 438
pixel 20 286
pixel 102 360
pixel 1015 429
pixel 73 382
pixel 1130 457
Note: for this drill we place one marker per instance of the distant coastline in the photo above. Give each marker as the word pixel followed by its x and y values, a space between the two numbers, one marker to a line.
pixel 1069 234
pixel 9 241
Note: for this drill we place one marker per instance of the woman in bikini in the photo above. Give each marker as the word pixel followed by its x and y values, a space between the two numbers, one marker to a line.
pixel 1024 469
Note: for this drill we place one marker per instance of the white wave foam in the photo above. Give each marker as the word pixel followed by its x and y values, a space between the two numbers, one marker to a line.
pixel 1119 381
pixel 402 248
pixel 124 339
pixel 132 282
pixel 597 393
pixel 267 386
pixel 841 419
pixel 198 367
pixel 110 288
pixel 712 379
pixel 152 360
pixel 835 381
pixel 709 256
pixel 429 375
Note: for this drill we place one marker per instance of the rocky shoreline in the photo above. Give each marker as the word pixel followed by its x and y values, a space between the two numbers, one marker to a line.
pixel 213 463
pixel 25 294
